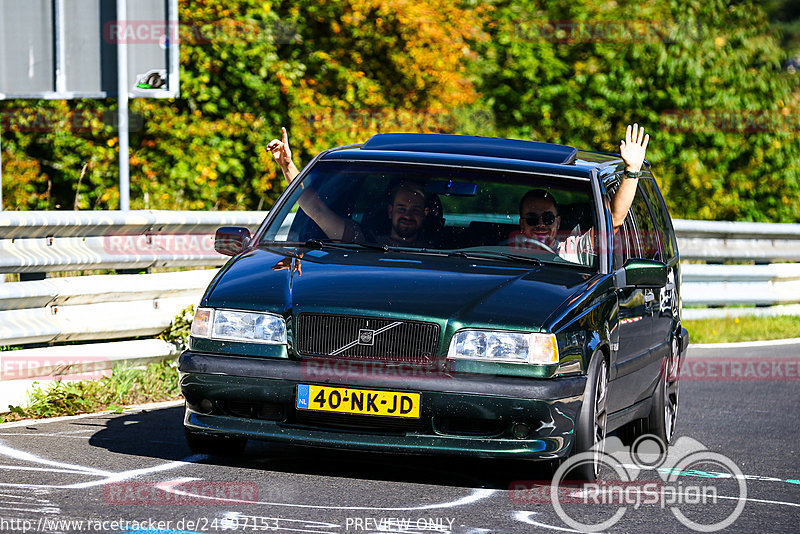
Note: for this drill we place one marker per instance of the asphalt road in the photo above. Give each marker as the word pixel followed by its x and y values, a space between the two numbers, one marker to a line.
pixel 132 472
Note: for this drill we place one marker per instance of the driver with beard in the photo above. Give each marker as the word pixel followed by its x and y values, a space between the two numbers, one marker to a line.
pixel 407 213
pixel 407 210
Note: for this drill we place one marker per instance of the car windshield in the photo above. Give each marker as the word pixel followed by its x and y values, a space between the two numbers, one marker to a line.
pixel 477 213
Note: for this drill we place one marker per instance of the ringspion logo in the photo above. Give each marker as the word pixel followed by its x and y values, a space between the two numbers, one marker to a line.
pixel 688 479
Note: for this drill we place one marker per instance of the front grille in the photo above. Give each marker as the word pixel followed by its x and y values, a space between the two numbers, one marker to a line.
pixel 366 338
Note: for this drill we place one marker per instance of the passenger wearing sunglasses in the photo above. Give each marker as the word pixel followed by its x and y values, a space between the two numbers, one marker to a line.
pixel 538 211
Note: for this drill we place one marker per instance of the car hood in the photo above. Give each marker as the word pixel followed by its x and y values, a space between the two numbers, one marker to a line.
pixel 460 291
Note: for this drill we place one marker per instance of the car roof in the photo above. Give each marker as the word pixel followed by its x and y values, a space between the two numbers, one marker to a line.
pixel 476 151
pixel 471 145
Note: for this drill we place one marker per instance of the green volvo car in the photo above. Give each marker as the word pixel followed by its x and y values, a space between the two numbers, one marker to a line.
pixel 442 294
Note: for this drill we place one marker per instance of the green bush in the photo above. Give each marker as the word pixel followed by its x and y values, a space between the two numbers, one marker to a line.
pixel 178 331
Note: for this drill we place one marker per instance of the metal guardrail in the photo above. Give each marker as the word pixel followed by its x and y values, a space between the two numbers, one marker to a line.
pixel 737 241
pixel 727 285
pixel 90 310
pixel 774 288
pixel 52 241
pixel 96 307
pixel 27 224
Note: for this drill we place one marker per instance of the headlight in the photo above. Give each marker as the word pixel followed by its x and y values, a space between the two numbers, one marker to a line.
pixel 239 326
pixel 498 346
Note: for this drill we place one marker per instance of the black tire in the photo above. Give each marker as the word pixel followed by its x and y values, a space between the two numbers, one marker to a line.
pixel 211 444
pixel 591 426
pixel 664 408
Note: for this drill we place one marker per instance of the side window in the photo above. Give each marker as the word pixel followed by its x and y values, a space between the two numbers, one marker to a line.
pixel 626 244
pixel 663 226
pixel 649 240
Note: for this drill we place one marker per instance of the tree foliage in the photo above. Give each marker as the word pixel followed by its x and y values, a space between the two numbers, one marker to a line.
pixel 722 115
pixel 703 76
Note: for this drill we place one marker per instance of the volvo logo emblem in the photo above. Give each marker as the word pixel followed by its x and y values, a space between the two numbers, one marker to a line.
pixel 366 337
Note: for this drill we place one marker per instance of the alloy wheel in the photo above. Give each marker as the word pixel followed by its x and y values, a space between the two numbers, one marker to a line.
pixel 671 391
pixel 600 414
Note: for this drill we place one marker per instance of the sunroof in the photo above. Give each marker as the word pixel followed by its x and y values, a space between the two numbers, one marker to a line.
pixel 473 146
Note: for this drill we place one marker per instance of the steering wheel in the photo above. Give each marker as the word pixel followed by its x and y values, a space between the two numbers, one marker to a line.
pixel 540 244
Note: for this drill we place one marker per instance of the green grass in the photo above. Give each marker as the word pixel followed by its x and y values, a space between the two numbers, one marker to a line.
pixel 126 385
pixel 733 329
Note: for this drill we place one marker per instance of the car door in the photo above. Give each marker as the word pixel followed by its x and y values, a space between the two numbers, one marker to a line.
pixel 665 316
pixel 635 366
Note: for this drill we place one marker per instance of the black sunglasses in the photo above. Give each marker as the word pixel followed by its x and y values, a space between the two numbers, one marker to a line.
pixel 548 218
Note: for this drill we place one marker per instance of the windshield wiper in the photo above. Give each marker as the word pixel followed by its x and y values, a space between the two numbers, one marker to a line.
pixel 490 254
pixel 319 244
pixel 316 243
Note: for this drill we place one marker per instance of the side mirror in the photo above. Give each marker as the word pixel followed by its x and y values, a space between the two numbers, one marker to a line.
pixel 641 273
pixel 231 240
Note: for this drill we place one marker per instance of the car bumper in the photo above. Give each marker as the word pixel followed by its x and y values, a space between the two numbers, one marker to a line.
pixel 474 415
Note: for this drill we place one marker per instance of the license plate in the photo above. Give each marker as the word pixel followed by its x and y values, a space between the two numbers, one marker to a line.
pixel 358 401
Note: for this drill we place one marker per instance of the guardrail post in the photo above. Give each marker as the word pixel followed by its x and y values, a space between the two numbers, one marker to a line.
pixel 133 271
pixel 122 104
